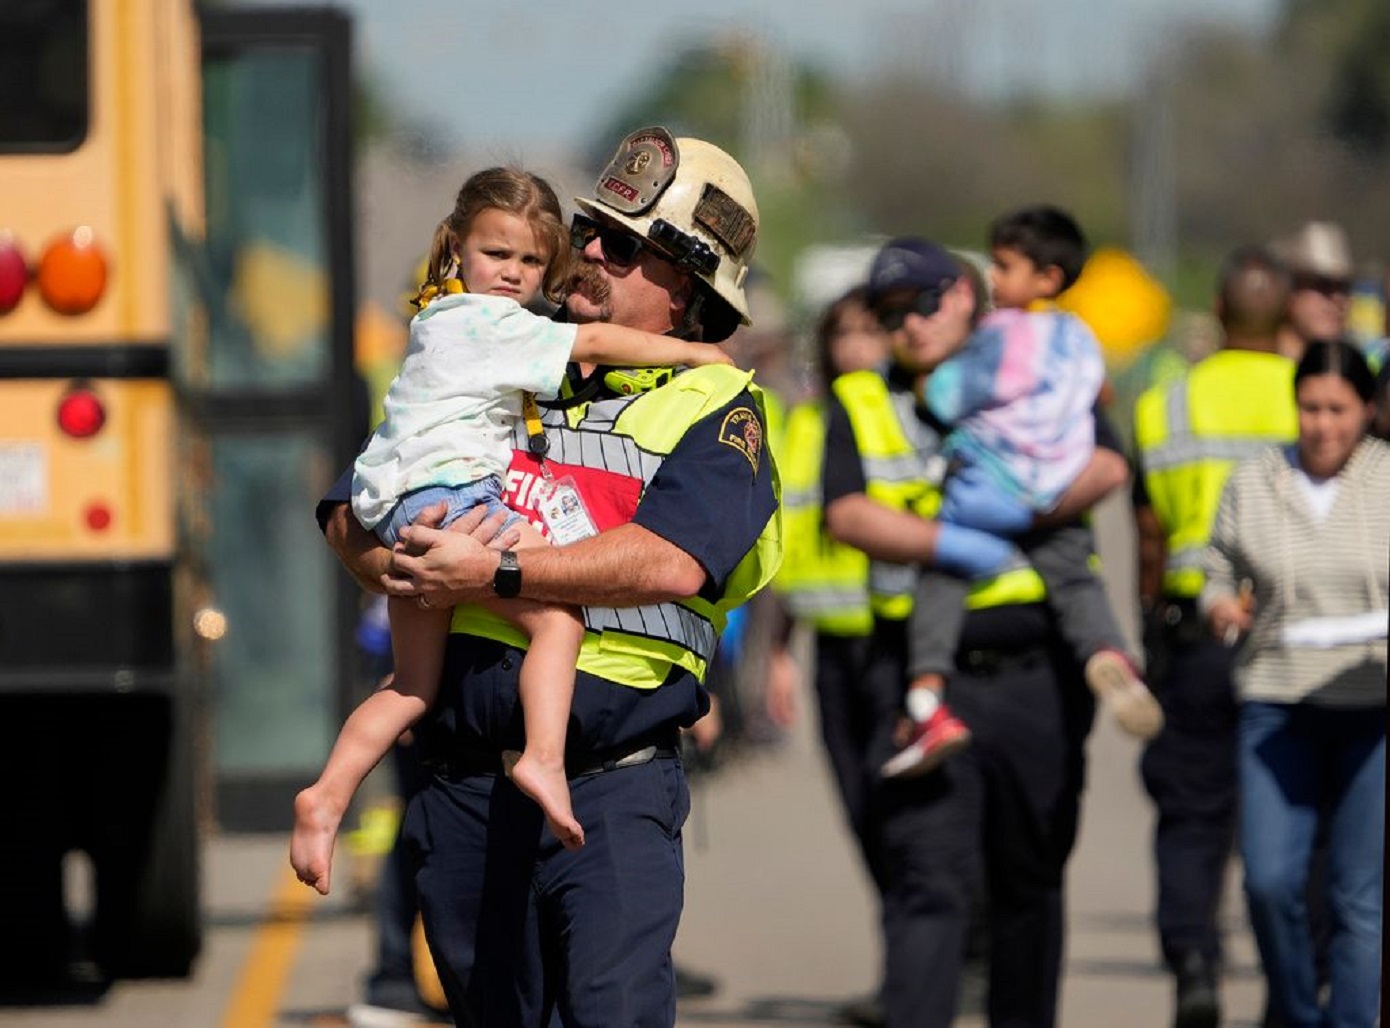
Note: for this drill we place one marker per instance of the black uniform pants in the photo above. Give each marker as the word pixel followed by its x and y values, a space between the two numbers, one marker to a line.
pixel 846 726
pixel 1190 772
pixel 1006 807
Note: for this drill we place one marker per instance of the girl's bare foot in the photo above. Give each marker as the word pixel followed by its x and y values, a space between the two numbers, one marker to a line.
pixel 546 784
pixel 311 844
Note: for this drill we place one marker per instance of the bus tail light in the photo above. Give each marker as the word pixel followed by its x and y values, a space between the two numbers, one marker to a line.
pixel 14 272
pixel 98 517
pixel 72 272
pixel 80 413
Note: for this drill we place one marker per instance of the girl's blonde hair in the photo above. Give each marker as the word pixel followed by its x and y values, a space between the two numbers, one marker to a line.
pixel 512 191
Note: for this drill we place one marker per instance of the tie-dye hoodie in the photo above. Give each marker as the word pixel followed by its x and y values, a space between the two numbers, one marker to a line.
pixel 1019 397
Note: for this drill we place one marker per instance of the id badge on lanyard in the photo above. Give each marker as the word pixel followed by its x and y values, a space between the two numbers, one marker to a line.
pixel 567 519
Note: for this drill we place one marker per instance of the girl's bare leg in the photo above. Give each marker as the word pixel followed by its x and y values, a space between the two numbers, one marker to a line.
pixel 547 690
pixel 417 640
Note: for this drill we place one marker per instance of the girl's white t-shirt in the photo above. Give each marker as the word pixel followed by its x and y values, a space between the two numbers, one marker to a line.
pixel 450 412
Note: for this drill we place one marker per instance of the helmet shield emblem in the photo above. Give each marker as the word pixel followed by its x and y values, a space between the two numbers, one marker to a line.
pixel 639 172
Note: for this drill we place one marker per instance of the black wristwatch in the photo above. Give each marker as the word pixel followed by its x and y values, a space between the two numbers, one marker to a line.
pixel 506 580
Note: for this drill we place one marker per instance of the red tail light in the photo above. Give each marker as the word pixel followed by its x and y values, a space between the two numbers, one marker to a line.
pixel 14 272
pixel 80 413
pixel 72 273
pixel 98 517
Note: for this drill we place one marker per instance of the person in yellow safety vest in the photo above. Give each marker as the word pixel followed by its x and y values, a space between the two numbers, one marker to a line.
pixel 824 584
pixel 672 471
pixel 1005 808
pixel 1188 435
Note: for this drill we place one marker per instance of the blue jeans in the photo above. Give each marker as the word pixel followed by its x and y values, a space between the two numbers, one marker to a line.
pixel 486 492
pixel 1300 763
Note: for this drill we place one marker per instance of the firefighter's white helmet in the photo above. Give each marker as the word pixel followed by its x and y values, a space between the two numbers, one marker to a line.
pixel 690 200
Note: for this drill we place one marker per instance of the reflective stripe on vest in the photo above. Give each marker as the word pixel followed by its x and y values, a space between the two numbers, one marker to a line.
pixel 631 436
pixel 1190 434
pixel 897 451
pixel 821 581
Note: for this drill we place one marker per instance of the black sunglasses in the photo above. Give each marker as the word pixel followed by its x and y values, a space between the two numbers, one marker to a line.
pixel 1327 285
pixel 620 247
pixel 925 302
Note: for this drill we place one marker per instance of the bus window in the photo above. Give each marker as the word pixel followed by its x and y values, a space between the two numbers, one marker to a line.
pixel 43 75
pixel 266 241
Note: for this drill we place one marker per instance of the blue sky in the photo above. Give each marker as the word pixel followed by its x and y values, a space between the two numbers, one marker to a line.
pixel 541 75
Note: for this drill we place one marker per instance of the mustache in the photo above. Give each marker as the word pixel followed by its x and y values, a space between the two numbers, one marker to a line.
pixel 588 280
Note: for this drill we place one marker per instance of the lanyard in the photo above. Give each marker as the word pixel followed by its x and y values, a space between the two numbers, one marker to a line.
pixel 536 442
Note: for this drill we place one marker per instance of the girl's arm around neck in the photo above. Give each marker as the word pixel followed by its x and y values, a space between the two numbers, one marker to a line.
pixel 599 342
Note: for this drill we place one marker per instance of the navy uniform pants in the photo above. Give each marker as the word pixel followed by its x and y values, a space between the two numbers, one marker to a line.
pixel 520 927
pixel 1190 772
pixel 1006 807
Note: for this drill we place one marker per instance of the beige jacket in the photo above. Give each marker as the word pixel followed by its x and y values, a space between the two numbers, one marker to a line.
pixel 1303 569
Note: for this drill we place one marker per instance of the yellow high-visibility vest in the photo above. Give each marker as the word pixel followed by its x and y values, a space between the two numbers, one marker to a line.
pixel 632 436
pixel 895 453
pixel 822 582
pixel 1191 432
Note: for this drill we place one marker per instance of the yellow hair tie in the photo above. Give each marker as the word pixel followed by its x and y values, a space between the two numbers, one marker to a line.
pixel 430 292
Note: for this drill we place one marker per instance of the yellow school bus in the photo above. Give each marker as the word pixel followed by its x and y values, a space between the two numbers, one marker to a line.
pixel 175 357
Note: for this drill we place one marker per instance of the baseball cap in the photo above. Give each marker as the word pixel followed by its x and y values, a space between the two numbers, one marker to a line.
pixel 910 262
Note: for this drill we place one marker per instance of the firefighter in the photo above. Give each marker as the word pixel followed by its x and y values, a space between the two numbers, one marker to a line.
pixel 678 524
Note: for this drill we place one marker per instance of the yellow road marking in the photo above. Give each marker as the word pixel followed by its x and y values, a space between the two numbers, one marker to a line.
pixel 256 999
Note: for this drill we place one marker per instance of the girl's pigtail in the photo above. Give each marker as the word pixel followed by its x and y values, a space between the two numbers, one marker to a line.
pixel 441 268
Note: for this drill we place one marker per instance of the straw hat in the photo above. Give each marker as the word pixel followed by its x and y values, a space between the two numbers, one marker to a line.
pixel 1318 248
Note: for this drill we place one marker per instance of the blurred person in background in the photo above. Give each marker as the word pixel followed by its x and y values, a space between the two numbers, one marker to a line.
pixel 1308 526
pixel 1319 258
pixel 1016 396
pixel 1188 435
pixel 1006 808
pixel 823 585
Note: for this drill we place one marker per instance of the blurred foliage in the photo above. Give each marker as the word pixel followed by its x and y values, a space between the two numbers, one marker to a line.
pixel 1264 133
pixel 1354 38
pixel 372 116
pixel 933 161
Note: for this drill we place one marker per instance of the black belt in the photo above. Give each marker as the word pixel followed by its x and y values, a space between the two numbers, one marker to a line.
pixel 471 763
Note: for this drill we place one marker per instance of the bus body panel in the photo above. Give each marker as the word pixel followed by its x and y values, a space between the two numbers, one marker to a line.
pixel 106 497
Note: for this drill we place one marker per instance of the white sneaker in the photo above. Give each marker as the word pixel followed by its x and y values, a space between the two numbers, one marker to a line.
pixel 1116 682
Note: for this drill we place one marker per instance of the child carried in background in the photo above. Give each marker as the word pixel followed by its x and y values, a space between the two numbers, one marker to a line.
pixel 474 351
pixel 1019 398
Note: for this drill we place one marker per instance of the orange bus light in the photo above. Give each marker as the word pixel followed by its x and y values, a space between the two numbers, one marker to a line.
pixel 14 272
pixel 81 414
pixel 72 272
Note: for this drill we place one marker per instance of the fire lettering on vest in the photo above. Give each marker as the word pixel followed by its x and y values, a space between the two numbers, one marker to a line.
pixel 610 497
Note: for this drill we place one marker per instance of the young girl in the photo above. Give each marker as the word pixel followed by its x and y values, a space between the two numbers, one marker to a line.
pixel 474 350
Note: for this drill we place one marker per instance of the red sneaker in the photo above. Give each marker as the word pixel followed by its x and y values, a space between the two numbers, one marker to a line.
pixel 1116 682
pixel 931 742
